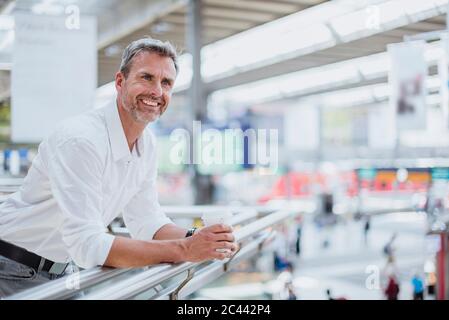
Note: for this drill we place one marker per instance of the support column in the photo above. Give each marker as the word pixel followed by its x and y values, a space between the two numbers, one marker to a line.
pixel 194 45
pixel 202 184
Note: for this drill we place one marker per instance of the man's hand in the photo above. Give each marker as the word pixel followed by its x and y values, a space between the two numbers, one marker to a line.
pixel 204 243
pixel 202 246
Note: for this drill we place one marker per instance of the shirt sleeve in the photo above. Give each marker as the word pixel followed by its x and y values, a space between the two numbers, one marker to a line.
pixel 143 215
pixel 75 172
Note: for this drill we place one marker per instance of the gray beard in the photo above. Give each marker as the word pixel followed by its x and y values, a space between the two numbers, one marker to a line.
pixel 135 113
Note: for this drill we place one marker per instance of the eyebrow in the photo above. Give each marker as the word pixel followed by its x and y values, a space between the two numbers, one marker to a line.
pixel 143 73
pixel 170 80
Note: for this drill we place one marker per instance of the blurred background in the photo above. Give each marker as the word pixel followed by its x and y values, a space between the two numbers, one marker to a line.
pixel 349 98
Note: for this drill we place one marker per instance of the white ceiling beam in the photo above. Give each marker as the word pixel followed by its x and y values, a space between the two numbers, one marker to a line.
pixel 292 60
pixel 131 16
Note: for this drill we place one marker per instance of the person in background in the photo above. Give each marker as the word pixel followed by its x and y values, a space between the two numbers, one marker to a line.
pixel 392 289
pixel 389 247
pixel 366 228
pixel 431 283
pixel 329 294
pixel 281 251
pixel 291 292
pixel 330 297
pixel 298 237
pixel 418 287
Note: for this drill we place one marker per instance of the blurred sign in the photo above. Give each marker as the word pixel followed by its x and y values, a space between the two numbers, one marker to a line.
pixel 407 77
pixel 419 175
pixel 337 129
pixel 54 73
pixel 381 127
pixel 440 173
pixel 302 128
pixel 367 174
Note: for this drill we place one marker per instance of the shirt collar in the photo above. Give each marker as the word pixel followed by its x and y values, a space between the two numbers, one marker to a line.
pixel 117 137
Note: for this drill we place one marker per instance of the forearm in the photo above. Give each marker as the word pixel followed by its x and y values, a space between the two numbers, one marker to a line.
pixel 170 231
pixel 126 253
pixel 203 245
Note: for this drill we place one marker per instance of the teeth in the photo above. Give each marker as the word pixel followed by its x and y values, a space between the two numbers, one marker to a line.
pixel 150 103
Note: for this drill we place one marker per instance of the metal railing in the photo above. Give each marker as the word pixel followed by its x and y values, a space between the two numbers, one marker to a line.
pixel 8 186
pixel 197 280
pixel 109 283
pixel 197 210
pixel 244 214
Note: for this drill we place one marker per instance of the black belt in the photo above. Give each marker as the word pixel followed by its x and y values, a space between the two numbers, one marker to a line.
pixel 32 260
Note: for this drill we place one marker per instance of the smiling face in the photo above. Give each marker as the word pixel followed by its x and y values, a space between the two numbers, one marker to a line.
pixel 146 91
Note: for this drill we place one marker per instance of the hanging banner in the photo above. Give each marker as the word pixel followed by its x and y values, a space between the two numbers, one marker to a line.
pixel 406 79
pixel 54 74
pixel 443 71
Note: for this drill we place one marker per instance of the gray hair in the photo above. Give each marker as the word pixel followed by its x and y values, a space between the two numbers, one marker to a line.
pixel 164 49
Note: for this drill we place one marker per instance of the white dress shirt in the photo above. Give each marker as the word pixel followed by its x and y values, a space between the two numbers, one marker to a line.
pixel 82 178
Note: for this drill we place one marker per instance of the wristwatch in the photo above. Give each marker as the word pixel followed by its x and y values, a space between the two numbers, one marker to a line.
pixel 190 232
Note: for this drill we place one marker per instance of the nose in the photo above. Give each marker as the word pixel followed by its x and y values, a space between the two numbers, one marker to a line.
pixel 156 89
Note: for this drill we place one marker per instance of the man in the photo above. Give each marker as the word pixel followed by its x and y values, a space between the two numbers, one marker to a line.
pixel 418 287
pixel 88 171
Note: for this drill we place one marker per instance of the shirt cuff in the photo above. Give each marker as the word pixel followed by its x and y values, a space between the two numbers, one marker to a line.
pixel 149 228
pixel 104 248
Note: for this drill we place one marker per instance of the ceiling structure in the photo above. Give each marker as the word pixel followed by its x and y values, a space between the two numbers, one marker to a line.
pixel 340 52
pixel 221 24
pixel 166 20
pixel 120 22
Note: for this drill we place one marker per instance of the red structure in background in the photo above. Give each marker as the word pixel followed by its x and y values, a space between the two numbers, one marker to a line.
pixel 441 268
pixel 304 184
pixel 386 180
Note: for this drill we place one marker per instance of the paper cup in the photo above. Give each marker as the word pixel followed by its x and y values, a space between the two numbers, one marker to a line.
pixel 211 218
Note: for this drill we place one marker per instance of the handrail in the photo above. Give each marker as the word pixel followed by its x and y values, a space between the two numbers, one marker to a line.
pixel 249 212
pixel 57 289
pixel 235 220
pixel 216 269
pixel 11 181
pixel 243 217
pixel 195 211
pixel 261 224
pixel 148 278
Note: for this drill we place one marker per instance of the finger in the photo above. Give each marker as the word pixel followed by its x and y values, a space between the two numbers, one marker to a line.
pixel 218 228
pixel 219 255
pixel 224 245
pixel 233 249
pixel 224 236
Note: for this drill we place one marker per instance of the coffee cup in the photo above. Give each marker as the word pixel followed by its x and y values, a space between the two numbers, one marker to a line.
pixel 217 217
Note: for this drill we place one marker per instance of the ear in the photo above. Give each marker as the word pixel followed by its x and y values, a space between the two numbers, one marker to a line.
pixel 119 79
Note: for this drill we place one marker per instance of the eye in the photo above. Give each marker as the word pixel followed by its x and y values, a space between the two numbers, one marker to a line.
pixel 147 77
pixel 166 83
